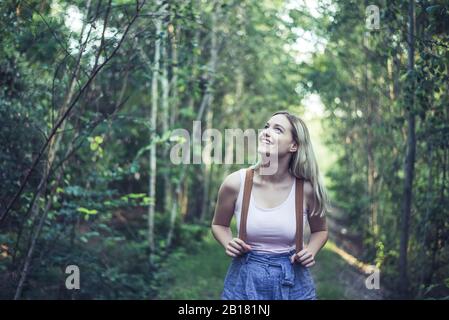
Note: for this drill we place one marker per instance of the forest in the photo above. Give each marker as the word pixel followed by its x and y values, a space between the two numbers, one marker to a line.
pixel 92 93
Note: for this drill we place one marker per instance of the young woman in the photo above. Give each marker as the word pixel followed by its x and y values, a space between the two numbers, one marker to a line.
pixel 267 265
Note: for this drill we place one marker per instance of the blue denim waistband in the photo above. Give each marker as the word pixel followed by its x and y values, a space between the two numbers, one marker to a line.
pixel 281 260
pixel 270 256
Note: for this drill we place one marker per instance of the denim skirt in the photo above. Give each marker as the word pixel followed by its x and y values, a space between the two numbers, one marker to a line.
pixel 267 276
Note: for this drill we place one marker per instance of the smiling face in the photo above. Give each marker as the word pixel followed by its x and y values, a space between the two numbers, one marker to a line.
pixel 277 134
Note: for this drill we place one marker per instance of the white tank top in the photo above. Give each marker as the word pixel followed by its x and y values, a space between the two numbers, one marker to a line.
pixel 269 229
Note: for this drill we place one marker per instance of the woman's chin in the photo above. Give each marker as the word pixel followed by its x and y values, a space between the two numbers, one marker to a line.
pixel 265 150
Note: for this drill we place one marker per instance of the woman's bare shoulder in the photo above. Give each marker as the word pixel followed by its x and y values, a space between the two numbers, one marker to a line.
pixel 231 183
pixel 227 195
pixel 309 194
pixel 308 188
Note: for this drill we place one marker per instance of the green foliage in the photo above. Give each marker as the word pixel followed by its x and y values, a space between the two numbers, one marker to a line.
pixel 366 87
pixel 95 197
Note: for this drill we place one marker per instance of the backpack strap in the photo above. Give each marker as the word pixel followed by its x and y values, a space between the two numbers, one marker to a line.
pixel 298 208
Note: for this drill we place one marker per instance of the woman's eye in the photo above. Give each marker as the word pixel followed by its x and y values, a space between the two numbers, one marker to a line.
pixel 276 129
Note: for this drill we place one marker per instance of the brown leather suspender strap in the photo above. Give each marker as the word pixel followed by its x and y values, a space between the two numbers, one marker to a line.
pixel 299 213
pixel 298 208
pixel 245 203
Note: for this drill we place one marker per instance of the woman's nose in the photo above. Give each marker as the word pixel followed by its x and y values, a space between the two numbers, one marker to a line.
pixel 266 132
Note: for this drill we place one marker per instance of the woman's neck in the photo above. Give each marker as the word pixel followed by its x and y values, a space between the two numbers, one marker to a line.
pixel 282 174
pixel 277 175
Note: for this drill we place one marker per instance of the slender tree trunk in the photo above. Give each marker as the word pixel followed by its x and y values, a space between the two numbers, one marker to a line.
pixel 153 133
pixel 371 109
pixel 206 174
pixel 426 221
pixel 205 103
pixel 36 233
pixel 173 194
pixel 53 148
pixel 165 114
pixel 371 177
pixel 409 160
pixel 174 31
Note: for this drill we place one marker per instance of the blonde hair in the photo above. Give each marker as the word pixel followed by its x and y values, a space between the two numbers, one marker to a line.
pixel 303 163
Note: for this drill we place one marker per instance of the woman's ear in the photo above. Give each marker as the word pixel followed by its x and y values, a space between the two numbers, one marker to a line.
pixel 294 147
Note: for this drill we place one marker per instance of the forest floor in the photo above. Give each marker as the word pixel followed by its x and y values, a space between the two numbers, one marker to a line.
pixel 200 275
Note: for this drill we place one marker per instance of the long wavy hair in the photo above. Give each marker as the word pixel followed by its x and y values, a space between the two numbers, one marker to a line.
pixel 303 163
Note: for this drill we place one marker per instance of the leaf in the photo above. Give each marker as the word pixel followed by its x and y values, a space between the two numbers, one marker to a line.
pixel 99 139
pixel 134 167
pixel 146 201
pixel 433 9
pixel 87 211
pixel 93 146
pixel 136 195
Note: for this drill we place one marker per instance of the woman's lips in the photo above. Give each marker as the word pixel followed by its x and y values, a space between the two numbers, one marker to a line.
pixel 266 141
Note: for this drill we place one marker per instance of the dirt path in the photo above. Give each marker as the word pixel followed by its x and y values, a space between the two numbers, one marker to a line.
pixel 352 274
pixel 200 276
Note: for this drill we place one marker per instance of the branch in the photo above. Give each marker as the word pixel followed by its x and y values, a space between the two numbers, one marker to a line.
pixel 66 114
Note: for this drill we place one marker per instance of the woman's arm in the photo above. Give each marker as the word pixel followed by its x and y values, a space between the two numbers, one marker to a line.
pixel 307 256
pixel 224 210
pixel 317 240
